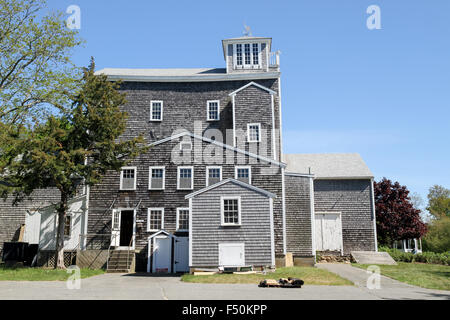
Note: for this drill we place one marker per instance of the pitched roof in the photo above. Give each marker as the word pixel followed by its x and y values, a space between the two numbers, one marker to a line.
pixel 252 84
pixel 328 165
pixel 220 144
pixel 181 75
pixel 229 180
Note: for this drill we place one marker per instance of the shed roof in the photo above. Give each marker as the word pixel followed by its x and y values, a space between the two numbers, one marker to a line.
pixel 328 165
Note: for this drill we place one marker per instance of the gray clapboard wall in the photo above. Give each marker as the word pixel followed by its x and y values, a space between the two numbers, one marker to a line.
pixel 254 231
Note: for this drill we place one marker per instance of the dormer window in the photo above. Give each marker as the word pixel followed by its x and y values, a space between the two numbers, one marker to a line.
pixel 247 55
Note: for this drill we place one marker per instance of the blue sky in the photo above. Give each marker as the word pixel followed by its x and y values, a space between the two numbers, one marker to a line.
pixel 382 93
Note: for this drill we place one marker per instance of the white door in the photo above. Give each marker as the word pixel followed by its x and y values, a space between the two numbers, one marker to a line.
pixel 162 254
pixel 32 227
pixel 115 228
pixel 182 254
pixel 328 232
pixel 231 254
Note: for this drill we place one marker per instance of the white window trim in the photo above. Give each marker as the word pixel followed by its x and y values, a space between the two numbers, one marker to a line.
pixel 148 219
pixel 243 167
pixel 207 173
pixel 150 177
pixel 244 65
pixel 178 219
pixel 248 132
pixel 151 110
pixel 185 142
pixel 121 178
pixel 207 110
pixel 192 178
pixel 222 223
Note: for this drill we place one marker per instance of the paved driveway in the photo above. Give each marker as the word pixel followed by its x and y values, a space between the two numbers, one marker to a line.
pixel 120 286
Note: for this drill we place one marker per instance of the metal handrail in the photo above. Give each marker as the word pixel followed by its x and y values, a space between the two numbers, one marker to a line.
pixel 109 249
pixel 128 253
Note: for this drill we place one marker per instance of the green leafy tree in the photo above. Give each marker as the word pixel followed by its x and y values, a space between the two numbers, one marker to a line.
pixel 77 146
pixel 439 201
pixel 36 74
pixel 35 68
pixel 438 237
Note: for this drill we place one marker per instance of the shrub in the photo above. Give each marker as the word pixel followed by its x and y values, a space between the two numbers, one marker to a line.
pixel 425 257
pixel 438 237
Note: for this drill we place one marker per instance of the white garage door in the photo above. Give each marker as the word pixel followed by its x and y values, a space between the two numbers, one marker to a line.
pixel 231 254
pixel 328 231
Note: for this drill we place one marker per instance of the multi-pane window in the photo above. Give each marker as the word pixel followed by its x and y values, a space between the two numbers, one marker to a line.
pixel 157 177
pixel 247 57
pixel 128 178
pixel 185 178
pixel 182 219
pixel 67 226
pixel 243 174
pixel 239 54
pixel 116 220
pixel 155 219
pixel 156 110
pixel 255 47
pixel 254 132
pixel 231 211
pixel 213 110
pixel 213 175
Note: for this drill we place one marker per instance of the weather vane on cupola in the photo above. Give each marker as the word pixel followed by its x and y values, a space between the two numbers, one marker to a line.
pixel 247 31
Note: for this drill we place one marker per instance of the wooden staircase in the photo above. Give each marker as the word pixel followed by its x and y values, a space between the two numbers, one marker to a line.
pixel 121 261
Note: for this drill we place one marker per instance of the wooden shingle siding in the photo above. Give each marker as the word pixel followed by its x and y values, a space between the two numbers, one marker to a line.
pixel 298 216
pixel 254 105
pixel 107 193
pixel 254 231
pixel 352 198
pixel 12 217
pixel 184 103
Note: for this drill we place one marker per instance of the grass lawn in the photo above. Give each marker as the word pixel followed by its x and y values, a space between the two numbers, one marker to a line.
pixel 310 275
pixel 40 274
pixel 431 276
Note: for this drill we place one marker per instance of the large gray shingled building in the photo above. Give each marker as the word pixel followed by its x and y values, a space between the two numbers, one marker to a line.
pixel 215 189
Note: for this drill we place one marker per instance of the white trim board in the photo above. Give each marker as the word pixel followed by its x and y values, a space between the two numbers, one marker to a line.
pixel 253 84
pixel 195 136
pixel 229 180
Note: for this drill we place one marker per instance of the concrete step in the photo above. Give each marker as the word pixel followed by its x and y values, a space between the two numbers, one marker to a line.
pixel 118 271
pixel 372 257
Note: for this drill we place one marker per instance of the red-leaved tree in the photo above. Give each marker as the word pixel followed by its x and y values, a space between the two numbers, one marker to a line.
pixel 397 218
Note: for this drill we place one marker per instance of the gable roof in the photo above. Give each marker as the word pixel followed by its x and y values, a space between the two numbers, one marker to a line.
pixel 236 182
pixel 328 165
pixel 252 84
pixel 220 144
